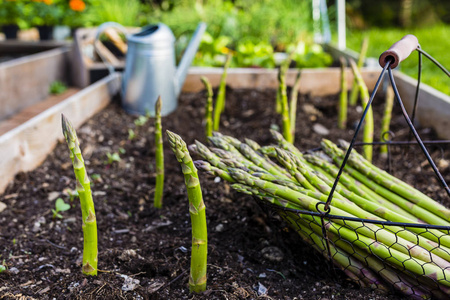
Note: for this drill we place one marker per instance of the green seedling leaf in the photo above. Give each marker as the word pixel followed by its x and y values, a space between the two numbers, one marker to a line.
pixel 71 193
pixel 2 268
pixel 57 87
pixel 60 205
pixel 122 151
pixel 131 134
pixel 96 177
pixel 140 121
pixel 112 157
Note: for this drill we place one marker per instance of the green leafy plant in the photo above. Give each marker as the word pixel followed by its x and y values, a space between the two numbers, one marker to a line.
pixel 199 252
pixel 124 12
pixel 45 13
pixel 12 12
pixel 89 220
pixel 60 206
pixel 57 87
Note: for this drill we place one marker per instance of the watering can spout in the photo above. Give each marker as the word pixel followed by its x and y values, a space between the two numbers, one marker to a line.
pixel 187 58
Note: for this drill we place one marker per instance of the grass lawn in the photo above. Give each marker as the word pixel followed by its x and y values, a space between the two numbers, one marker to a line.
pixel 433 40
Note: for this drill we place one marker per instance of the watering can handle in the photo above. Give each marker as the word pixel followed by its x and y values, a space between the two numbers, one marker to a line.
pixel 399 51
pixel 100 30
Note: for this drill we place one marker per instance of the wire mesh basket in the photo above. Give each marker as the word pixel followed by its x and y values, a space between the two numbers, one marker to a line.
pixel 411 258
pixel 388 236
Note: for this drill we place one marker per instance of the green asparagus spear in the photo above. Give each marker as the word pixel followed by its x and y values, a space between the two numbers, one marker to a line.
pixel 396 185
pixel 293 103
pixel 199 253
pixel 89 226
pixel 159 154
pixel 368 122
pixel 386 121
pixel 286 124
pixel 220 100
pixel 361 58
pixel 209 107
pixel 342 115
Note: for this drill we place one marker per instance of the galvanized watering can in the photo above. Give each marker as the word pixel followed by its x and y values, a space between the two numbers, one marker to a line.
pixel 150 69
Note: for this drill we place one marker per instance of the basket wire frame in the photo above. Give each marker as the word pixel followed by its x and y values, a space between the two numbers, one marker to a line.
pixel 358 247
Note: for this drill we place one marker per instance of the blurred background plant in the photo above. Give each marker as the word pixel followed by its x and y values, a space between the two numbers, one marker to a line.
pixel 125 12
pixel 44 12
pixel 12 13
pixel 75 13
pixel 242 27
pixel 385 22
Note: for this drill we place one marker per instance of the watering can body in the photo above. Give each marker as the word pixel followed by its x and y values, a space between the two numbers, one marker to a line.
pixel 150 69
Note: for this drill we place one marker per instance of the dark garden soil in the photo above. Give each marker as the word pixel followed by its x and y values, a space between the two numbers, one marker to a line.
pixel 144 253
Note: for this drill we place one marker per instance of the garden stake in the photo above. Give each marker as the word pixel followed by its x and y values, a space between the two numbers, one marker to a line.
pixel 199 253
pixel 342 116
pixel 209 107
pixel 293 103
pixel 368 123
pixel 362 56
pixel 159 155
pixel 87 204
pixel 221 93
pixel 386 121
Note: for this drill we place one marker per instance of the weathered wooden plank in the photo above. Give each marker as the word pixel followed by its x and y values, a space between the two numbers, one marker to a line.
pixel 26 80
pixel 26 146
pixel 33 110
pixel 317 82
pixel 433 108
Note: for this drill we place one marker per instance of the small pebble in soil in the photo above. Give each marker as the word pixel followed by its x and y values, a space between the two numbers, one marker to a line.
pixel 127 255
pixel 320 129
pixel 220 228
pixel 261 289
pixel 272 253
pixel 129 284
pixel 14 270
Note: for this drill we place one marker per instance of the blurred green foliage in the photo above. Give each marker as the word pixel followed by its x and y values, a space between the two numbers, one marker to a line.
pixel 252 30
pixel 125 12
pixel 434 40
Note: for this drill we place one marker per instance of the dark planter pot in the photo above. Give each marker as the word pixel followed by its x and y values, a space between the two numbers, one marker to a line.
pixel 10 31
pixel 45 32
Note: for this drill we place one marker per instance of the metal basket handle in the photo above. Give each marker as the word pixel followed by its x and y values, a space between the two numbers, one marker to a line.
pixel 399 51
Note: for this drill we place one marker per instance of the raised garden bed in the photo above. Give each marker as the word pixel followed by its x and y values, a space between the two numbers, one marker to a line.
pixel 25 80
pixel 250 251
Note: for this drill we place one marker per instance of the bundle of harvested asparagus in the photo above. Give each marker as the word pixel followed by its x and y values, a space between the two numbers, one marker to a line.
pixel 380 231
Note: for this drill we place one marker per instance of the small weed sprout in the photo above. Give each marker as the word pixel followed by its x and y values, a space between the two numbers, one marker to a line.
pixel 131 134
pixel 57 87
pixel 60 206
pixel 73 194
pixel 141 121
pixel 112 158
